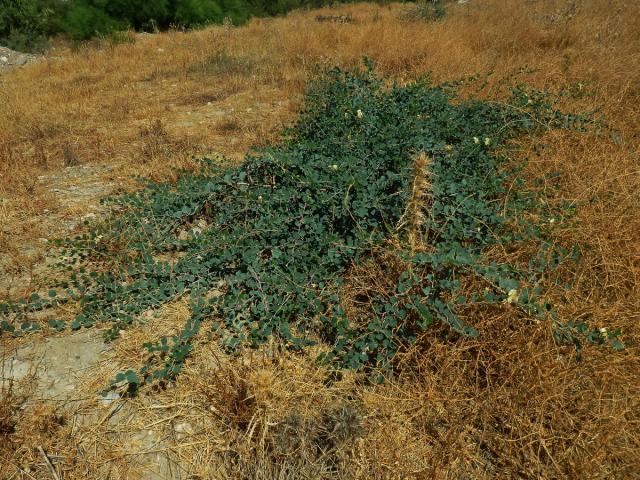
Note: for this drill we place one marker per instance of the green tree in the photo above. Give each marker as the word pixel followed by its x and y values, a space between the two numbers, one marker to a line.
pixel 25 24
pixel 85 21
pixel 196 12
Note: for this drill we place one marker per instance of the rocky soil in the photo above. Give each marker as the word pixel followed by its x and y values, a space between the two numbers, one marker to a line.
pixel 55 369
pixel 11 59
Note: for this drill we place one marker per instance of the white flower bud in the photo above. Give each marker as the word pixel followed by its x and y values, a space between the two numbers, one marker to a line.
pixel 512 296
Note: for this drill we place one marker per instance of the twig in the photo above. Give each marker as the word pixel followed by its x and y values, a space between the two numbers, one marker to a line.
pixel 52 470
pixel 22 471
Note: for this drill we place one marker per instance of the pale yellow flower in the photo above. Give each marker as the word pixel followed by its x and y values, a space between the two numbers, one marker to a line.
pixel 512 296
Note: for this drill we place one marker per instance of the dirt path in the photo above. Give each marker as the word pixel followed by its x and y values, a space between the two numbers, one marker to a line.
pixel 73 196
pixel 68 370
pixel 60 370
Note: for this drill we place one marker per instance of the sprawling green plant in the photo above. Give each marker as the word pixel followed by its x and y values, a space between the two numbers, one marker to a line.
pixel 262 249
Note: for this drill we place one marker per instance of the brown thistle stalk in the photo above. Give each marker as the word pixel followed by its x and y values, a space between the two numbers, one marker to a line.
pixel 414 217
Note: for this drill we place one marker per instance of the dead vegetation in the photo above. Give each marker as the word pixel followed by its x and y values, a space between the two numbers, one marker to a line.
pixel 509 404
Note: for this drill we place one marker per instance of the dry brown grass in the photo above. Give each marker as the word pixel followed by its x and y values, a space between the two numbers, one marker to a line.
pixel 510 404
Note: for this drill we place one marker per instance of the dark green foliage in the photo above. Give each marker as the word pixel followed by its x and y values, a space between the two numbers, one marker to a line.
pixel 269 242
pixel 88 18
pixel 196 12
pixel 25 24
pixel 85 21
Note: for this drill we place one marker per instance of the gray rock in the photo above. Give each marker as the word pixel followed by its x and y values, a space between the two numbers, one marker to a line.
pixel 55 362
pixel 109 398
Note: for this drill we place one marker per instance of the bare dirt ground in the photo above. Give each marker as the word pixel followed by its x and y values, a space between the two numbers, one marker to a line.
pixel 55 370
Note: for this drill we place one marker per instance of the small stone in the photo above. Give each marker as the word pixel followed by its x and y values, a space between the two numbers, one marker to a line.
pixel 184 427
pixel 109 398
pixel 4 59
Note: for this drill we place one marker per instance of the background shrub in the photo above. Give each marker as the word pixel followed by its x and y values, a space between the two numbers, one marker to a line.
pixel 25 24
pixel 194 12
pixel 85 20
